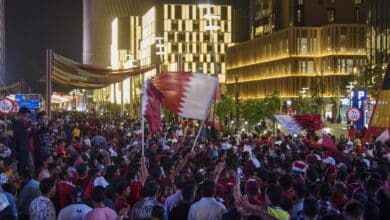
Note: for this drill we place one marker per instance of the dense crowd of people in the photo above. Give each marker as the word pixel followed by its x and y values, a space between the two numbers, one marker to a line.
pixel 83 166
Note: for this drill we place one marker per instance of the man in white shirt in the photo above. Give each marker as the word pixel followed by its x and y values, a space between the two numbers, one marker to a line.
pixel 77 210
pixel 42 207
pixel 207 208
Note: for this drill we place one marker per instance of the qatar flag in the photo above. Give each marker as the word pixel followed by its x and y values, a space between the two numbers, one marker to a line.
pixel 151 106
pixel 184 93
pixel 295 124
pixel 384 136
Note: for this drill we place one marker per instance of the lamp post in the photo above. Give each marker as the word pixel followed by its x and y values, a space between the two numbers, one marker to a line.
pixel 213 29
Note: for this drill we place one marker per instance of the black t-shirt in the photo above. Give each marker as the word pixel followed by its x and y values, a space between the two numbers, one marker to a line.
pixel 180 212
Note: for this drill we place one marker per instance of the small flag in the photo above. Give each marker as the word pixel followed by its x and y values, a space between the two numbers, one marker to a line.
pixel 295 124
pixel 384 136
pixel 151 106
pixel 186 94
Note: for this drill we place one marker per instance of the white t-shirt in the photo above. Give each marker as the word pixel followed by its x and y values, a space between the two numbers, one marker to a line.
pixel 74 212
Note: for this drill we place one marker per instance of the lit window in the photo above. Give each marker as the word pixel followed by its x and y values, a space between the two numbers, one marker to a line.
pixel 357 14
pixel 358 2
pixel 300 2
pixel 331 15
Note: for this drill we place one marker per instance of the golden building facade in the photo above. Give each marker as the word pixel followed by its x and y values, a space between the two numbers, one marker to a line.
pixel 288 60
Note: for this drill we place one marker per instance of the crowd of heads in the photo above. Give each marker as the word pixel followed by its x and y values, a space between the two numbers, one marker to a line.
pixel 252 175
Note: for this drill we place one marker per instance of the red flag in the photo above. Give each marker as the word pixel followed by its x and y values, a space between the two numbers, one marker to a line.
pixel 294 124
pixel 328 143
pixel 151 106
pixel 186 94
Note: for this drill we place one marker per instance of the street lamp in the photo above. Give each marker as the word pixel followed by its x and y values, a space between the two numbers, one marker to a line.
pixel 212 28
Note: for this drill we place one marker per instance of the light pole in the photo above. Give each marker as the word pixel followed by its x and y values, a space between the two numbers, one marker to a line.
pixel 213 29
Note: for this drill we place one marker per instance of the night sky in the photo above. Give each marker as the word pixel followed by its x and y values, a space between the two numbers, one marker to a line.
pixel 34 25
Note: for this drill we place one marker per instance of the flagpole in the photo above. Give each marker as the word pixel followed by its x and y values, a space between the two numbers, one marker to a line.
pixel 48 81
pixel 143 135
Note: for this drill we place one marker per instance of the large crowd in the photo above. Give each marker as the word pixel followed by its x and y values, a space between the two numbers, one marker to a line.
pixel 84 166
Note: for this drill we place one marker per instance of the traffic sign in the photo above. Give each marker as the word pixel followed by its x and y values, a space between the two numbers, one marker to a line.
pixel 354 114
pixel 6 106
pixel 31 101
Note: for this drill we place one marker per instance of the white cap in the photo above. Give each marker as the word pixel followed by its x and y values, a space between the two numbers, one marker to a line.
pixel 330 160
pixel 100 181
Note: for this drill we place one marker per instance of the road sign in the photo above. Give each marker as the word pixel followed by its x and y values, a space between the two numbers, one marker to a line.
pixel 354 114
pixel 6 106
pixel 31 101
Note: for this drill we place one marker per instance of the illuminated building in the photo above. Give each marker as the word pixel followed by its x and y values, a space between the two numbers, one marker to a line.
pixel 312 38
pixel 267 16
pixel 2 43
pixel 173 35
pixel 378 33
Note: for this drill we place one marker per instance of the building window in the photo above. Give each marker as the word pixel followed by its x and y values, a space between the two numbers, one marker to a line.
pixel 358 2
pixel 357 15
pixel 299 16
pixel 331 15
pixel 224 13
pixel 178 12
pixel 300 2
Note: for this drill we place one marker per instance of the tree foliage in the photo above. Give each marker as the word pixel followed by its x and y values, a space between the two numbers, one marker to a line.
pixel 169 116
pixel 225 108
pixel 303 105
pixel 317 93
pixel 370 79
pixel 252 110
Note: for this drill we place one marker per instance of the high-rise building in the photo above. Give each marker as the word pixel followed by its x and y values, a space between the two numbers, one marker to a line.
pixel 293 43
pixel 176 35
pixel 267 16
pixel 2 43
pixel 378 33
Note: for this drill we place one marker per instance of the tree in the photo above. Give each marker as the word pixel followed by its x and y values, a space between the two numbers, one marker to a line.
pixel 303 105
pixel 370 79
pixel 224 109
pixel 252 110
pixel 317 93
pixel 271 106
pixel 169 116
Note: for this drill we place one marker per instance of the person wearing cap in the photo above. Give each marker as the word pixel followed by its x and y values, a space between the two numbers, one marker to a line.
pixel 42 207
pixel 76 210
pixel 252 192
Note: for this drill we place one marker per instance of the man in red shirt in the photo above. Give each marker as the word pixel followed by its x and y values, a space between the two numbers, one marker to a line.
pixel 65 187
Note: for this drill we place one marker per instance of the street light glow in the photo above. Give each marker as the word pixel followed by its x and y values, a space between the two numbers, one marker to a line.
pixel 211 16
pixel 212 28
pixel 205 5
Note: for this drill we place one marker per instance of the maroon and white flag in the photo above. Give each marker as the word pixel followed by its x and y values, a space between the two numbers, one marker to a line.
pixel 151 106
pixel 184 93
pixel 295 124
pixel 384 136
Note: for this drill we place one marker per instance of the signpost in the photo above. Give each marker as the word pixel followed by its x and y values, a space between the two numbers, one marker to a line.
pixel 354 114
pixel 31 101
pixel 358 97
pixel 6 106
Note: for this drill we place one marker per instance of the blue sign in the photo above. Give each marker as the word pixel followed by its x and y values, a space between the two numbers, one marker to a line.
pixel 31 101
pixel 358 98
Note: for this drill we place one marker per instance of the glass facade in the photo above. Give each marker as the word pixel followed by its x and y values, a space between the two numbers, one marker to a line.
pixel 378 34
pixel 2 43
pixel 288 60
